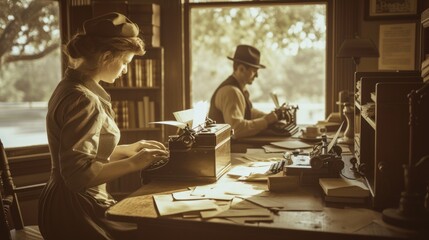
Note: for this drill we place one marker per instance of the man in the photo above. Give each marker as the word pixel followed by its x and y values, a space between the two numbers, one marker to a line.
pixel 230 102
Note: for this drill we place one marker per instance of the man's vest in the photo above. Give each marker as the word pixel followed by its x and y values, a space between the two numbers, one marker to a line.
pixel 216 114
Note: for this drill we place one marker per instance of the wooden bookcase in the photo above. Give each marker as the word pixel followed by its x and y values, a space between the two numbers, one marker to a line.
pixel 381 141
pixel 138 96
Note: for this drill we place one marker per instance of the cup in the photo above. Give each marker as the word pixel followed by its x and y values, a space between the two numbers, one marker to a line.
pixel 313 131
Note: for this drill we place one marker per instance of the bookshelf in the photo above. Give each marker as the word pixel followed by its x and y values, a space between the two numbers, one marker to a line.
pixel 382 131
pixel 138 96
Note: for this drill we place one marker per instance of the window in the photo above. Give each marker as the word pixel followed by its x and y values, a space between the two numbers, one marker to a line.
pixel 292 41
pixel 30 68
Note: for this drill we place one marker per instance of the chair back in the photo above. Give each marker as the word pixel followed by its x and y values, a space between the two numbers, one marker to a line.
pixel 9 201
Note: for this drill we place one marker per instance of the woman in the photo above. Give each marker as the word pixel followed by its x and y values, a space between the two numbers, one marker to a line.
pixel 83 136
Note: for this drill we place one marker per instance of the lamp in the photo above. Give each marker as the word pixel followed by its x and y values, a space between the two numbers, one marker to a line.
pixel 354 48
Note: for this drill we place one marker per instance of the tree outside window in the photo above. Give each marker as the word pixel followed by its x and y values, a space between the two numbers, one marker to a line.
pixel 30 68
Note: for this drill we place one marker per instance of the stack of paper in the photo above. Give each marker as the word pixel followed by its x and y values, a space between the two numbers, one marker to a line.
pixel 344 190
pixel 167 206
pixel 340 187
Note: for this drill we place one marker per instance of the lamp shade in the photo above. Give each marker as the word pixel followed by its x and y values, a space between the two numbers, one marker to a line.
pixel 358 47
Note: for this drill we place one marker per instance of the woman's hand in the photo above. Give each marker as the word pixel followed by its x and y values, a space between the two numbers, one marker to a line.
pixel 125 151
pixel 150 144
pixel 146 156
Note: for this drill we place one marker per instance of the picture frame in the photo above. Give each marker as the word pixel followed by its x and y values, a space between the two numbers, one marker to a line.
pixel 390 9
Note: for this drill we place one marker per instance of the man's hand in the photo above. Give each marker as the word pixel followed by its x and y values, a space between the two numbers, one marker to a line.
pixel 283 114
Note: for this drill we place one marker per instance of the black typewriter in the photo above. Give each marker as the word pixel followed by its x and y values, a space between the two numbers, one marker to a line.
pixel 286 127
pixel 281 128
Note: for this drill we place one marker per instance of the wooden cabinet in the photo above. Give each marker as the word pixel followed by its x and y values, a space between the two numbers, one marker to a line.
pixel 382 131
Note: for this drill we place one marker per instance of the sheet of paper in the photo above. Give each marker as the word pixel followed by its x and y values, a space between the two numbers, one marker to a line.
pixel 273 149
pixel 187 195
pixel 397 46
pixel 231 188
pixel 193 117
pixel 180 125
pixel 265 202
pixel 241 203
pixel 184 116
pixel 167 206
pixel 245 171
pixel 200 113
pixel 292 144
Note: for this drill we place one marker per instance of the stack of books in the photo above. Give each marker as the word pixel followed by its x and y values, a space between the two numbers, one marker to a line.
pixel 340 190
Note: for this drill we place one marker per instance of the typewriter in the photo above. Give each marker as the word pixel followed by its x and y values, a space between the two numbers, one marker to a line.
pixel 201 152
pixel 324 160
pixel 286 127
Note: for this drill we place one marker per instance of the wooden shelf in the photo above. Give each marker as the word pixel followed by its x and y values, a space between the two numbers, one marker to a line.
pixel 382 140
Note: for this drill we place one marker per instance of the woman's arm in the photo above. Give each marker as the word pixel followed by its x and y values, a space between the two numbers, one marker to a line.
pixel 138 161
pixel 128 150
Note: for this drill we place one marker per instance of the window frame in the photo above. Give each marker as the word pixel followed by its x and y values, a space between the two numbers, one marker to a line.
pixel 187 6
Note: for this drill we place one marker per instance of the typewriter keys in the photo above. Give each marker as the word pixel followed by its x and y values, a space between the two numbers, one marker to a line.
pixel 158 164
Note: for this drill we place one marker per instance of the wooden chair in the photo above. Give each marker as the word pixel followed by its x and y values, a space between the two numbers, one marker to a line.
pixel 14 229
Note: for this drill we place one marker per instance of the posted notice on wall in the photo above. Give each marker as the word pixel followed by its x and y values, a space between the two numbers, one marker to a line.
pixel 397 47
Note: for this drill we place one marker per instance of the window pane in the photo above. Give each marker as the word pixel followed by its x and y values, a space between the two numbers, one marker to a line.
pixel 292 40
pixel 30 70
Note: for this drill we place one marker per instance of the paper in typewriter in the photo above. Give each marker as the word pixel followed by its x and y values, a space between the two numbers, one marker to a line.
pixel 193 117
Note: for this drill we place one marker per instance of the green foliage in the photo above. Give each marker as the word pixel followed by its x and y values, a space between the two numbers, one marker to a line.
pixel 291 39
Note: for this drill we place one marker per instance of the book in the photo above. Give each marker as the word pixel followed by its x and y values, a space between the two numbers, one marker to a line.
pixel 146 111
pixel 340 187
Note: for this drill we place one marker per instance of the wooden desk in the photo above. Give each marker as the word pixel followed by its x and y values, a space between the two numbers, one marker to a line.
pixel 242 144
pixel 330 223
